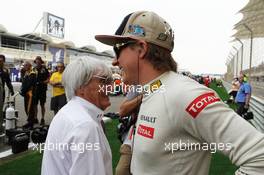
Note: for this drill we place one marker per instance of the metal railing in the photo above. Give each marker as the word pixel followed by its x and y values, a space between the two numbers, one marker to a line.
pixel 256 105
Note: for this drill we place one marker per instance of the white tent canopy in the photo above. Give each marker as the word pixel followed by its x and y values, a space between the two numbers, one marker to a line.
pixel 253 15
pixel 253 5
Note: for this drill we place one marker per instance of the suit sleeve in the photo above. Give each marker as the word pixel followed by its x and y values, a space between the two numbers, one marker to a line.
pixel 215 122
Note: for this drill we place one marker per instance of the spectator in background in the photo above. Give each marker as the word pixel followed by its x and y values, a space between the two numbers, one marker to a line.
pixel 206 81
pixel 117 84
pixel 234 89
pixel 22 72
pixel 2 129
pixel 58 99
pixel 42 74
pixel 243 95
pixel 200 79
pixel 4 73
pixel 28 92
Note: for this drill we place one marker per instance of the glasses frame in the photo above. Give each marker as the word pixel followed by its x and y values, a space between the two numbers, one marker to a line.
pixel 106 80
pixel 120 46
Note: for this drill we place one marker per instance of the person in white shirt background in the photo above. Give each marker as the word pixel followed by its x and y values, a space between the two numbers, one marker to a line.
pixel 76 143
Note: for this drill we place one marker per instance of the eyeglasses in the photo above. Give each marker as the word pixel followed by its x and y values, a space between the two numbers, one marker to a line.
pixel 104 80
pixel 119 46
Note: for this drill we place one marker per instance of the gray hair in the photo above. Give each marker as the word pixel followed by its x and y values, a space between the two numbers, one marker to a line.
pixel 80 71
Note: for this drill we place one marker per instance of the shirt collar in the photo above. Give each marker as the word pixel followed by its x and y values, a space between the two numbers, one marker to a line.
pixel 96 113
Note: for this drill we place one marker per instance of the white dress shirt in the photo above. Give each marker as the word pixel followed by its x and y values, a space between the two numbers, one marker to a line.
pixel 76 143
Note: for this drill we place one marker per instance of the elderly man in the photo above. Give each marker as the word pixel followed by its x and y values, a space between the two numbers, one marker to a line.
pixel 180 122
pixel 76 143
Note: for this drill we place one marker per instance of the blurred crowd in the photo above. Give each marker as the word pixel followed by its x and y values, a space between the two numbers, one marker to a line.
pixel 35 78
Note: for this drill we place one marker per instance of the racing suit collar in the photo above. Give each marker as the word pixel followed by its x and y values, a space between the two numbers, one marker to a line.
pixel 154 84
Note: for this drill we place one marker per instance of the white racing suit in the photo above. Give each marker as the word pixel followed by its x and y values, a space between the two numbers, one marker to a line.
pixel 181 123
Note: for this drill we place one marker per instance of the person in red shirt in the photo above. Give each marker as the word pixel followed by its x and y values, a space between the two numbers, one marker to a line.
pixel 206 81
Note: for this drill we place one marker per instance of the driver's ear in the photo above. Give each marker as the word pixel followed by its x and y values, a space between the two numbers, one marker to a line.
pixel 143 48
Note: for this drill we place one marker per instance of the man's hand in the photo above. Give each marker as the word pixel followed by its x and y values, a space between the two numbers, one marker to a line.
pixel 129 106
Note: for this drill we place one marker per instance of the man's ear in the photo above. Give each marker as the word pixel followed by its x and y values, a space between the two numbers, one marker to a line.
pixel 80 91
pixel 143 48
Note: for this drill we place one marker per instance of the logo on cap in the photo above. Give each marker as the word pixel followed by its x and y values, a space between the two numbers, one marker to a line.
pixel 136 30
pixel 164 36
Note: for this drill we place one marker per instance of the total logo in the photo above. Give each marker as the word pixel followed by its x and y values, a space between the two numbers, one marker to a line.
pixel 198 104
pixel 146 131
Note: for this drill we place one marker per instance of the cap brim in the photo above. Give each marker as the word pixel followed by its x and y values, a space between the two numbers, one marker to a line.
pixel 112 39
